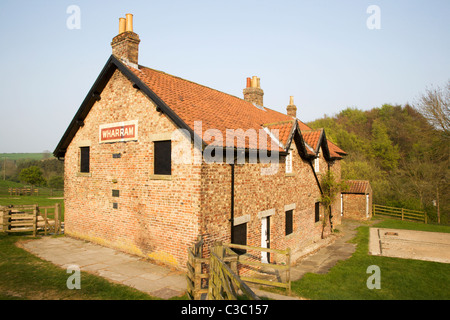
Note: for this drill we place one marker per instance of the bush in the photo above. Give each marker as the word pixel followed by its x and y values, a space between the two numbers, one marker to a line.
pixel 56 182
pixel 32 175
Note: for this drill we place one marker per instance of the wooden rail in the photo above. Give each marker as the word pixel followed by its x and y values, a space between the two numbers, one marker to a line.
pixel 400 213
pixel 27 191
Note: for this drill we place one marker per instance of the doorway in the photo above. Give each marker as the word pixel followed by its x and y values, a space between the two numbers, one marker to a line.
pixel 265 238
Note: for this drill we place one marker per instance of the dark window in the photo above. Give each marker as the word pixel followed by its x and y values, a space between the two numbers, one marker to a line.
pixel 240 237
pixel 84 159
pixel 115 205
pixel 163 157
pixel 317 213
pixel 289 224
pixel 115 193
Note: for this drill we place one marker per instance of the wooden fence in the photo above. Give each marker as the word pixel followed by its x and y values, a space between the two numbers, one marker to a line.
pixel 26 191
pixel 197 276
pixel 400 213
pixel 31 218
pixel 219 275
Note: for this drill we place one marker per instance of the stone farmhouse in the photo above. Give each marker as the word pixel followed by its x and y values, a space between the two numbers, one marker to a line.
pixel 152 161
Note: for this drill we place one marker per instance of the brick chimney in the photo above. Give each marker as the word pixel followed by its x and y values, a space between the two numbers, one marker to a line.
pixel 125 46
pixel 253 93
pixel 291 108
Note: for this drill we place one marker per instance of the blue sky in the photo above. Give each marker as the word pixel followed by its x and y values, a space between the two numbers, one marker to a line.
pixel 321 52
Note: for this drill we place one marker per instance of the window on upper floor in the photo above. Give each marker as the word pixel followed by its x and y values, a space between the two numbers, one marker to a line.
pixel 162 157
pixel 316 163
pixel 289 162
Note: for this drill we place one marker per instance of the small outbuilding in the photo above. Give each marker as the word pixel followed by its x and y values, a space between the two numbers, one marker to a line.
pixel 356 201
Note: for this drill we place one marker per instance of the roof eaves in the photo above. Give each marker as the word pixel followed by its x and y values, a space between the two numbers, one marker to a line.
pixel 301 145
pixel 111 65
pixel 92 96
pixel 157 100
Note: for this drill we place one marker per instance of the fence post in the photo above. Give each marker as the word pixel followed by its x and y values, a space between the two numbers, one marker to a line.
pixel 57 212
pixel 288 271
pixel 402 214
pixel 45 222
pixel 35 214
pixel 5 220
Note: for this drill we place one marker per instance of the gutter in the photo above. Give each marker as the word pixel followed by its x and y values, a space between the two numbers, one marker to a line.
pixel 232 202
pixel 315 176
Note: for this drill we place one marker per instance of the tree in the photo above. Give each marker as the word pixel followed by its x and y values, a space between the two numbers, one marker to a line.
pixel 330 189
pixel 435 107
pixel 382 146
pixel 32 175
pixel 56 182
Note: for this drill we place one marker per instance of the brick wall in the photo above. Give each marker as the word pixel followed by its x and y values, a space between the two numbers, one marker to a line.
pixel 157 219
pixel 355 206
pixel 256 193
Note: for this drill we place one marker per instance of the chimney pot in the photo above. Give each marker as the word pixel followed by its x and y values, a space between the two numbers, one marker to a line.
pixel 129 20
pixel 249 82
pixel 254 82
pixel 122 25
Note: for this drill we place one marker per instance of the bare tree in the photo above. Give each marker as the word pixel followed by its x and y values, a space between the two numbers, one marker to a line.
pixel 432 178
pixel 434 105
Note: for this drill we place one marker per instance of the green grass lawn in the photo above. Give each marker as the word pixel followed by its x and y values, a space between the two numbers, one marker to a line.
pixel 401 279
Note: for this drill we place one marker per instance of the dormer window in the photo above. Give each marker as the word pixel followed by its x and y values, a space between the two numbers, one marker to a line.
pixel 289 162
pixel 316 163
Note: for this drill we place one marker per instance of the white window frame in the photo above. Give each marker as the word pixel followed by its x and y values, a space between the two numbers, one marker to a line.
pixel 289 162
pixel 317 162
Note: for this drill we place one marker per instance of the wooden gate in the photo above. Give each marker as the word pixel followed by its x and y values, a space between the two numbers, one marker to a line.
pixel 219 275
pixel 30 218
pixel 224 283
pixel 197 276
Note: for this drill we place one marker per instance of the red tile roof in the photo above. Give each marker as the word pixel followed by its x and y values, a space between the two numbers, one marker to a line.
pixel 186 102
pixel 312 138
pixel 283 130
pixel 217 110
pixel 357 186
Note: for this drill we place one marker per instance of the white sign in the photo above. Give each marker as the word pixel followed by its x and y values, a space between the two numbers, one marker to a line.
pixel 118 132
